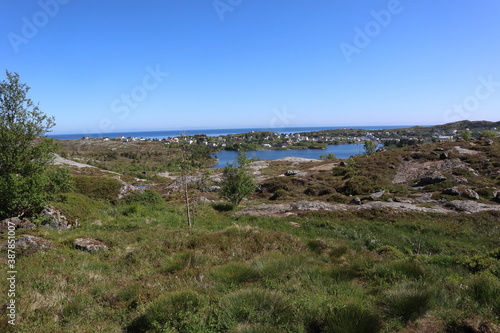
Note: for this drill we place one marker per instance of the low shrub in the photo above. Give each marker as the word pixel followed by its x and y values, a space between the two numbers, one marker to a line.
pixel 258 306
pixel 351 319
pixel 279 267
pixel 236 273
pixel 485 291
pixel 478 263
pixel 390 252
pixel 338 251
pixel 78 206
pixel 400 270
pixel 407 303
pixel 338 198
pixel 181 261
pixel 103 187
pixel 279 194
pixel 75 306
pixel 176 311
pixel 223 206
pixel 358 185
pixel 148 197
pixel 344 273
pixel 442 260
pixel 317 246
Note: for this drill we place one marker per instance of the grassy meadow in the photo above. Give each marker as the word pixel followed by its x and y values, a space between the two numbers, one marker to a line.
pixel 374 270
pixel 320 272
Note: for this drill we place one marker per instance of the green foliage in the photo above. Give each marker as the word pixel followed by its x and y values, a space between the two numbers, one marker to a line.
pixel 101 188
pixel 257 306
pixel 370 147
pixel 76 206
pixel 399 270
pixel 256 328
pixel 182 261
pixel 173 312
pixel 407 303
pixel 148 197
pixel 223 206
pixel 236 273
pixel 478 263
pixel 351 319
pixel 279 194
pixel 330 156
pixel 485 290
pixel 466 135
pixel 390 252
pixel 60 181
pixel 238 182
pixel 24 152
pixel 358 185
pixel 489 134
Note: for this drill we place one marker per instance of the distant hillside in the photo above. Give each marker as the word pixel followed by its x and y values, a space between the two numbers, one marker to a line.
pixel 462 125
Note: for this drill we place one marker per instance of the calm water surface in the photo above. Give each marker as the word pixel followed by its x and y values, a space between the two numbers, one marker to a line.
pixel 341 151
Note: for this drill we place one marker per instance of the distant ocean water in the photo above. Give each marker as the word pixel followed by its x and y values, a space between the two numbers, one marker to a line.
pixel 212 132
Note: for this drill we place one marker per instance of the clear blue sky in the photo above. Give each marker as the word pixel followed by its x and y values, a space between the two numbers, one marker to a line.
pixel 273 63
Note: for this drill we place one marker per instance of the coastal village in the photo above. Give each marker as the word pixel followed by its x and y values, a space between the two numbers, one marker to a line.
pixel 315 140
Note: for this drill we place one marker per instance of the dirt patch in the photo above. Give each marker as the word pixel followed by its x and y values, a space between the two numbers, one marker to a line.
pixel 324 167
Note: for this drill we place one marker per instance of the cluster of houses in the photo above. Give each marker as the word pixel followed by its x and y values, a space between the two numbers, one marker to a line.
pixel 270 139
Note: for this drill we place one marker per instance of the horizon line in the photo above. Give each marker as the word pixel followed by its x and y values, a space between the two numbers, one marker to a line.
pixel 261 129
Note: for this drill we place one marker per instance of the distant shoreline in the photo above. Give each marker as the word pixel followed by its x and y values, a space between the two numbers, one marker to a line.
pixel 219 132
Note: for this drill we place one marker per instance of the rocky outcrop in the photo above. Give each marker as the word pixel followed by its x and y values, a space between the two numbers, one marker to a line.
pixel 17 223
pixel 213 188
pixel 127 188
pixel 468 206
pixel 305 205
pixel 292 172
pixel 356 201
pixel 30 244
pixel 281 210
pixel 377 195
pixel 89 244
pixel 54 219
pixel 408 171
pixel 434 178
pixel 462 191
pixel 444 155
pixel 278 210
pixel 496 196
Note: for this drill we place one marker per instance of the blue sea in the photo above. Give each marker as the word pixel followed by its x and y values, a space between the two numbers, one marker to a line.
pixel 210 132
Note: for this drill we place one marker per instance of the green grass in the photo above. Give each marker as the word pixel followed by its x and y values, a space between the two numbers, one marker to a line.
pixel 257 274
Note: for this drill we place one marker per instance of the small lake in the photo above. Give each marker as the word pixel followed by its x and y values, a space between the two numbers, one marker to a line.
pixel 340 151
